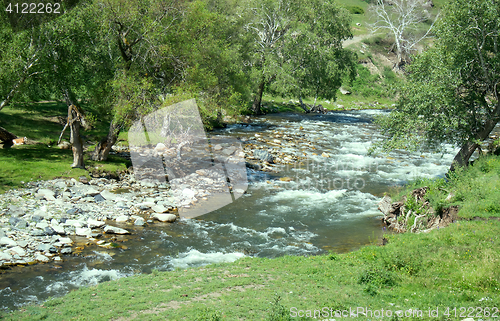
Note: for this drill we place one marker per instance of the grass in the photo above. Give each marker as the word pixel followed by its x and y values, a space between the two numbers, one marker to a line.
pixel 451 267
pixel 451 271
pixel 476 190
pixel 41 160
pixel 25 163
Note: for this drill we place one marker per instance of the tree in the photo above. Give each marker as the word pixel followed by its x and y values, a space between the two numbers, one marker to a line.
pixel 134 29
pixel 315 61
pixel 20 52
pixel 451 95
pixel 298 48
pixel 402 18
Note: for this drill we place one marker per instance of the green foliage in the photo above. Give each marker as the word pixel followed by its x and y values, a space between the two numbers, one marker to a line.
pixel 450 96
pixel 278 312
pixel 372 85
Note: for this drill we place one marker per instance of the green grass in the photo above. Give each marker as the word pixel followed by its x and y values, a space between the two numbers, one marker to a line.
pixel 39 122
pixel 452 267
pixel 446 268
pixel 25 163
pixel 40 159
pixel 476 190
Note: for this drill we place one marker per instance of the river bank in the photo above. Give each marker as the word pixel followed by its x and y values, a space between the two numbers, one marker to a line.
pixel 308 208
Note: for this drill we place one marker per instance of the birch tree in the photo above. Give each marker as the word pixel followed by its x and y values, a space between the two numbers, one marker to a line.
pixel 402 19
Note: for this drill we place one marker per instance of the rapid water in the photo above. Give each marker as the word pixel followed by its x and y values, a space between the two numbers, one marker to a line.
pixel 321 204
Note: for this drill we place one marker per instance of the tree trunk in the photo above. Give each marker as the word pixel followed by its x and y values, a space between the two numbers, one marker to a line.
pixel 75 139
pixel 10 95
pixel 463 156
pixel 307 110
pixel 75 119
pixel 6 136
pixel 103 148
pixel 258 98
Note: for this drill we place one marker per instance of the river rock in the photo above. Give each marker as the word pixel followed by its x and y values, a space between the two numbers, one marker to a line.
pixel 17 250
pixel 115 230
pixel 139 221
pixel 5 256
pixel 95 223
pixel 159 209
pixel 164 217
pixel 75 223
pixel 47 194
pixel 122 219
pixel 42 258
pixel 17 222
pixel 66 250
pixel 5 241
pixel 15 211
pixel 98 198
pixel 65 240
pixel 108 195
pixel 263 155
pixel 42 225
pixel 83 231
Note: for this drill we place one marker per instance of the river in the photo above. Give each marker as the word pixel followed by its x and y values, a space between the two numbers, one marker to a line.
pixel 326 203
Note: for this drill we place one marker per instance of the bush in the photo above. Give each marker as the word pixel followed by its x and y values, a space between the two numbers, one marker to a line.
pixel 355 10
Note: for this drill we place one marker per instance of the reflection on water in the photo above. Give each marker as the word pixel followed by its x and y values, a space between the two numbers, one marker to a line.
pixel 324 204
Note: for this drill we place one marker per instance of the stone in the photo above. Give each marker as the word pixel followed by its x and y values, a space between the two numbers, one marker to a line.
pixel 263 155
pixel 59 229
pixel 5 256
pixel 115 230
pixel 17 222
pixel 98 198
pixel 108 195
pixel 188 193
pixel 66 250
pixel 122 219
pixel 42 225
pixel 47 194
pixel 17 250
pixel 75 223
pixel 159 209
pixel 49 231
pixel 38 218
pixel 42 258
pixel 73 211
pixel 57 259
pixel 160 147
pixel 5 241
pixel 94 223
pixel 83 179
pixel 37 232
pixel 164 217
pixel 65 240
pixel 22 243
pixel 325 155
pixel 46 248
pixel 83 231
pixel 139 221
pixel 15 211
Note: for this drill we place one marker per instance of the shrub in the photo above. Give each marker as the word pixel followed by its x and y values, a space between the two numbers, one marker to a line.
pixel 355 10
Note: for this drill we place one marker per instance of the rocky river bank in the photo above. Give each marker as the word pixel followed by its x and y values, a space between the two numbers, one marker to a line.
pixel 47 220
